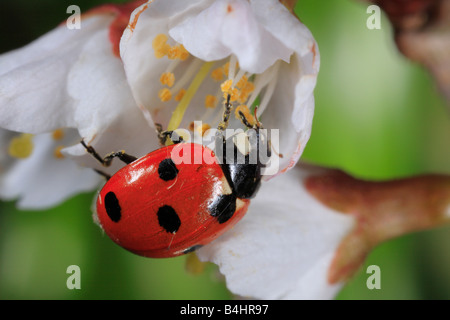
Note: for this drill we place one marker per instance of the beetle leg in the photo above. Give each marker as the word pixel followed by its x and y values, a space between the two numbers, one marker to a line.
pixel 106 161
pixel 226 115
pixel 103 174
pixel 163 135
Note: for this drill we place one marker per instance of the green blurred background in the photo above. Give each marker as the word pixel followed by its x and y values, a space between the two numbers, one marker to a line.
pixel 377 116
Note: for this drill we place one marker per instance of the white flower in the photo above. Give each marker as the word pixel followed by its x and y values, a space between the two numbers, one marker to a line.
pixel 72 83
pixel 285 245
pixel 255 50
pixel 178 60
pixel 305 233
pixel 27 179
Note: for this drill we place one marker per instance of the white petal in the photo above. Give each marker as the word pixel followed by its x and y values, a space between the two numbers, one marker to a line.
pixel 42 180
pixel 230 27
pixel 33 93
pixel 106 114
pixel 283 247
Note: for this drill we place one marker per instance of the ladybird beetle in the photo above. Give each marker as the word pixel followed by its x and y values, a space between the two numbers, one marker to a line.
pixel 157 207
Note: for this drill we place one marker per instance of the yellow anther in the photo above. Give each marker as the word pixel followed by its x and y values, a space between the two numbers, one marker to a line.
pixel 161 52
pixel 226 68
pixel 226 86
pixel 178 52
pixel 246 91
pixel 57 152
pixel 228 89
pixel 159 41
pixel 194 265
pixel 160 46
pixel 217 74
pixel 210 101
pixel 203 128
pixel 165 94
pixel 173 53
pixel 58 134
pixel 246 113
pixel 167 79
pixel 177 115
pixel 242 82
pixel 234 94
pixel 180 95
pixel 21 147
pixel 184 54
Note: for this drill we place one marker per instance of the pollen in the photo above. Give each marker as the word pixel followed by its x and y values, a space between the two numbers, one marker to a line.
pixel 184 54
pixel 210 101
pixel 159 41
pixel 226 68
pixel 160 45
pixel 226 86
pixel 58 134
pixel 203 128
pixel 178 52
pixel 245 111
pixel 246 91
pixel 164 95
pixel 57 152
pixel 218 74
pixel 180 95
pixel 167 78
pixel 228 89
pixel 21 147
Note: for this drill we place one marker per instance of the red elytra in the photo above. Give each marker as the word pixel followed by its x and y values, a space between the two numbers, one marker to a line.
pixel 158 207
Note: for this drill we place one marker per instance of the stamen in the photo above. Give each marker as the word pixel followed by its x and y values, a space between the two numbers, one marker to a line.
pixel 226 68
pixel 228 89
pixel 218 74
pixel 160 46
pixel 21 147
pixel 210 101
pixel 173 53
pixel 180 95
pixel 261 80
pixel 203 128
pixel 226 86
pixel 269 90
pixel 178 52
pixel 167 78
pixel 58 134
pixel 232 69
pixel 57 152
pixel 240 78
pixel 183 54
pixel 246 88
pixel 187 75
pixel 247 114
pixel 164 95
pixel 178 114
pixel 159 41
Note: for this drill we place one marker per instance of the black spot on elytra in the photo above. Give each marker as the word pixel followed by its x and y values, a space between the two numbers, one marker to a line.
pixel 223 207
pixel 112 206
pixel 192 249
pixel 167 170
pixel 168 219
